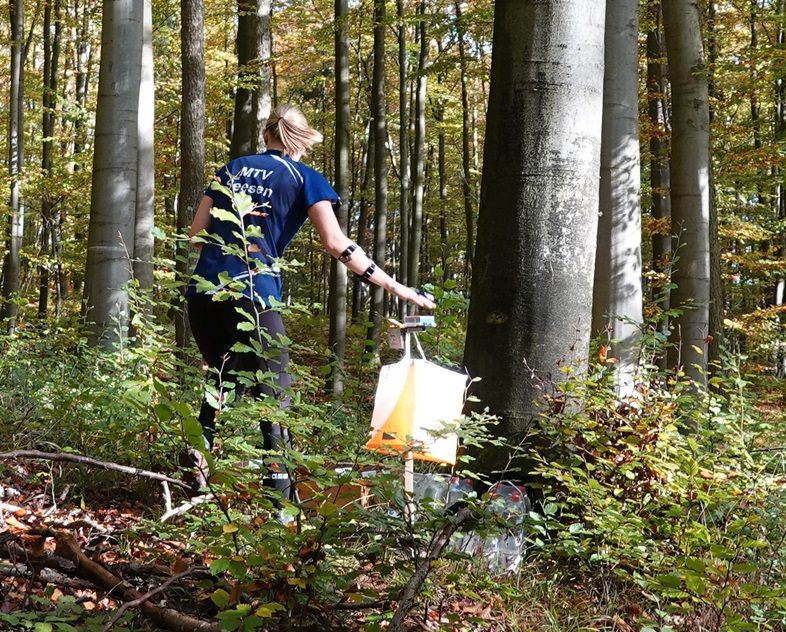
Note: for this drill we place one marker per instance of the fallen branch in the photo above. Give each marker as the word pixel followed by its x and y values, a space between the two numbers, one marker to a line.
pixel 86 460
pixel 86 568
pixel 142 599
pixel 406 598
pixel 47 576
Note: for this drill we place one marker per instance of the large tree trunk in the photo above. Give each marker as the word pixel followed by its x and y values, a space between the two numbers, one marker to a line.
pixel 145 189
pixel 338 275
pixel 113 201
pixel 530 312
pixel 380 173
pixel 617 299
pixel 192 138
pixel 252 95
pixel 690 186
pixel 12 266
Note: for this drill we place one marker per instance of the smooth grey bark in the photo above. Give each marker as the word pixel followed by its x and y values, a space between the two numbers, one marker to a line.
pixel 380 173
pixel 531 302
pixel 617 298
pixel 252 95
pixel 145 189
pixel 419 153
pixel 690 186
pixel 12 266
pixel 338 276
pixel 192 140
pixel 110 242
pixel 660 177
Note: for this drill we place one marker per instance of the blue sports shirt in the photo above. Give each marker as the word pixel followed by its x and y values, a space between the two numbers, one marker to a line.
pixel 282 191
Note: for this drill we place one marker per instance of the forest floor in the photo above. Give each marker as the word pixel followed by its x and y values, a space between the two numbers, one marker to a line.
pixel 54 533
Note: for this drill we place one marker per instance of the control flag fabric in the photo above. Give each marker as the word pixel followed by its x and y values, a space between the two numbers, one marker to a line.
pixel 414 400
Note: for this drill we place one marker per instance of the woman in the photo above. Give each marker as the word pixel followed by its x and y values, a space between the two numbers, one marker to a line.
pixel 284 193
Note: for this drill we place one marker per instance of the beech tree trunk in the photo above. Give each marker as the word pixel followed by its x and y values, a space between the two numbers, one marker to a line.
pixel 252 95
pixel 660 178
pixel 531 311
pixel 145 190
pixel 404 162
pixel 338 274
pixel 12 266
pixel 52 32
pixel 380 173
pixel 617 298
pixel 466 144
pixel 110 242
pixel 419 154
pixel 192 139
pixel 690 187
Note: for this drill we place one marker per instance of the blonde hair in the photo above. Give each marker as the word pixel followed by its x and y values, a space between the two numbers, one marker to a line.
pixel 288 125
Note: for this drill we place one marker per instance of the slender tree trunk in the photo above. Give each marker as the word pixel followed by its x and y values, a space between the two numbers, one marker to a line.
pixel 466 141
pixel 532 280
pixel 617 299
pixel 405 164
pixel 690 186
pixel 660 178
pixel 363 217
pixel 51 45
pixel 12 266
pixel 419 154
pixel 252 95
pixel 716 310
pixel 780 193
pixel 338 275
pixel 380 172
pixel 145 189
pixel 192 138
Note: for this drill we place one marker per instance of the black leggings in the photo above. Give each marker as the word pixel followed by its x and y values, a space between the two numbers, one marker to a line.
pixel 214 325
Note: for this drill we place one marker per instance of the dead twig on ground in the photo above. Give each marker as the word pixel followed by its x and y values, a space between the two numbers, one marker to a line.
pixel 86 460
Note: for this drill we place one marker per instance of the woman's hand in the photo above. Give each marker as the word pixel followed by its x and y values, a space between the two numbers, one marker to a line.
pixel 412 295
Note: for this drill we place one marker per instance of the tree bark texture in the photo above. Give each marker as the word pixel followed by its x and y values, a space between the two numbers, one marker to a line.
pixel 690 186
pixel 380 171
pixel 145 189
pixel 192 137
pixel 530 310
pixel 110 243
pixel 338 274
pixel 660 178
pixel 12 266
pixel 617 299
pixel 252 94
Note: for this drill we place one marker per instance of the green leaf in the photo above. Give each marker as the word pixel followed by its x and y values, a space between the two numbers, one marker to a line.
pixel 695 583
pixel 268 609
pixel 219 565
pixel 224 215
pixel 220 597
pixel 163 412
pixel 696 565
pixel 669 581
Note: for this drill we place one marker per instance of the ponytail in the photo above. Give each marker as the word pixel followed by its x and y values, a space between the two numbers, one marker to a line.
pixel 289 126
